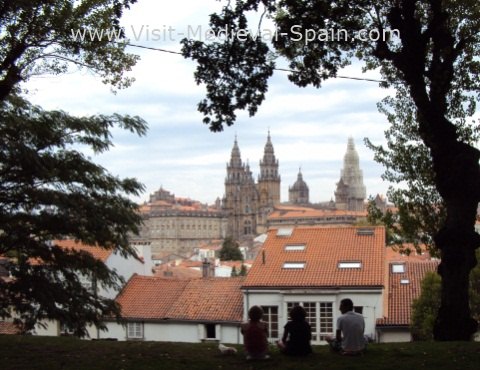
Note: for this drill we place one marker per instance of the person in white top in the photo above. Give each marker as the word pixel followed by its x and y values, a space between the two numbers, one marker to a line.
pixel 349 339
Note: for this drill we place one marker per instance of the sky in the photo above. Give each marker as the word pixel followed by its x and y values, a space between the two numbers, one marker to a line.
pixel 309 127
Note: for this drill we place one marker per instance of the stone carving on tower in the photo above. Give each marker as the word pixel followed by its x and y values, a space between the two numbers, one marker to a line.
pixel 351 192
pixel 299 192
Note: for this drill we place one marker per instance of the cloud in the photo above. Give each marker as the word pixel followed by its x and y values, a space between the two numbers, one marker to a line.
pixel 309 126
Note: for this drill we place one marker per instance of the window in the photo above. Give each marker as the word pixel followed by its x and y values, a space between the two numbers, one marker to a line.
pixel 295 247
pixel 210 332
pixel 358 309
pixel 270 316
pixel 350 265
pixel 135 330
pixel 404 281
pixel 294 265
pixel 398 268
pixel 326 319
pixel 284 232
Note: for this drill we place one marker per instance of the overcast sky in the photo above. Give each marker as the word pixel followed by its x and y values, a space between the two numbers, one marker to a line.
pixel 309 127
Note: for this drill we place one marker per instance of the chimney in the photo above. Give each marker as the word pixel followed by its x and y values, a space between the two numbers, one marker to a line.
pixel 206 268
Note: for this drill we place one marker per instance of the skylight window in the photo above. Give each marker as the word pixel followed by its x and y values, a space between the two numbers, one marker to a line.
pixel 295 247
pixel 398 268
pixel 294 265
pixel 404 281
pixel 350 265
pixel 284 232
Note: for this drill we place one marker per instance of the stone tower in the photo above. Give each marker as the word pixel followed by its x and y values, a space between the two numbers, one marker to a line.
pixel 269 178
pixel 299 192
pixel 241 197
pixel 351 192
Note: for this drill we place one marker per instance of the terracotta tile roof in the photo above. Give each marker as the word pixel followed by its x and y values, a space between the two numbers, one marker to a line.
pixel 393 254
pixel 147 297
pixel 99 253
pixel 324 249
pixel 212 299
pixel 403 288
pixel 299 212
pixel 7 327
pixel 153 298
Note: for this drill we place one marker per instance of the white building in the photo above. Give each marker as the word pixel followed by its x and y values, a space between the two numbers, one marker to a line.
pixel 159 309
pixel 317 267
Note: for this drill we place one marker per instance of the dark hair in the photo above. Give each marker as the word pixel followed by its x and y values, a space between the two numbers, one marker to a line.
pixel 298 313
pixel 347 303
pixel 255 313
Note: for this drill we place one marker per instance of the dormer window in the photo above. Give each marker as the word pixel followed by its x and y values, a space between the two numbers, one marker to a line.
pixel 350 265
pixel 294 265
pixel 295 248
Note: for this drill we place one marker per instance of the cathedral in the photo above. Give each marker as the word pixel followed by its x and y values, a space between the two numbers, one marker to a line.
pixel 247 203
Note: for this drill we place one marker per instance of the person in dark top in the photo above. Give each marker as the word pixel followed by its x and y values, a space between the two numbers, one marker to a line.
pixel 297 334
pixel 255 333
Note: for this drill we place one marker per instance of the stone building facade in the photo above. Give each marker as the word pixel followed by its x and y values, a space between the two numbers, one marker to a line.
pixel 178 225
pixel 247 203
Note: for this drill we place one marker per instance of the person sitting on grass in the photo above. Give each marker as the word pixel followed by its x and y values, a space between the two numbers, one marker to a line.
pixel 297 334
pixel 349 339
pixel 255 333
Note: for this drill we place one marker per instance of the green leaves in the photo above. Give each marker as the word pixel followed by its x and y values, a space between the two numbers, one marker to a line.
pixel 49 190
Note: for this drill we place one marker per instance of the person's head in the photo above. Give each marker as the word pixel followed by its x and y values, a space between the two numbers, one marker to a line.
pixel 255 313
pixel 298 313
pixel 346 305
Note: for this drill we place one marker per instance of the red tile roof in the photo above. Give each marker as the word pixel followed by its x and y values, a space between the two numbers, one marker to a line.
pixel 212 299
pixel 99 253
pixel 153 298
pixel 401 295
pixel 301 212
pixel 324 249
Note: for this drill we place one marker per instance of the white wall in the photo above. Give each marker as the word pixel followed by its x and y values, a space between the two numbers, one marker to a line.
pixel 370 300
pixel 176 332
pixel 394 335
pixel 49 328
pixel 126 267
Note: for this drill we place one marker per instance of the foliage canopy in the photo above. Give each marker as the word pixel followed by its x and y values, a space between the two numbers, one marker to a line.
pixel 429 55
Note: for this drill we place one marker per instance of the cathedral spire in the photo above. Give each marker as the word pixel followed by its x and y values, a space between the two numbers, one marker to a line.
pixel 351 191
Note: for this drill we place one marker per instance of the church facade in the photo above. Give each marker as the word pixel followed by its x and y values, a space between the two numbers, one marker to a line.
pixel 247 203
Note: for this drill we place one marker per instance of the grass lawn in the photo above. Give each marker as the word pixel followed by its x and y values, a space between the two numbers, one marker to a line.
pixel 30 353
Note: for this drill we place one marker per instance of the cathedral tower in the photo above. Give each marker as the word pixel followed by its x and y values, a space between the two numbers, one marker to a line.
pixel 241 197
pixel 351 192
pixel 269 178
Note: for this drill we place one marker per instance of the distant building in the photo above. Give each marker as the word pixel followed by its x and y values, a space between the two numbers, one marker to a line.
pixel 252 207
pixel 179 225
pixel 299 192
pixel 351 192
pixel 246 203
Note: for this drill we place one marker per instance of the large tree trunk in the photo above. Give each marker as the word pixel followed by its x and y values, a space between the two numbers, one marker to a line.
pixel 458 182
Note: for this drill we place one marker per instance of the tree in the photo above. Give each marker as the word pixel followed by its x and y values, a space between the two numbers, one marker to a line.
pixel 234 272
pixel 48 36
pixel 425 307
pixel 230 250
pixel 49 190
pixel 425 49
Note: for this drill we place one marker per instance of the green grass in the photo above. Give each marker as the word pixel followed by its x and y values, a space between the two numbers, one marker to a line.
pixel 30 353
